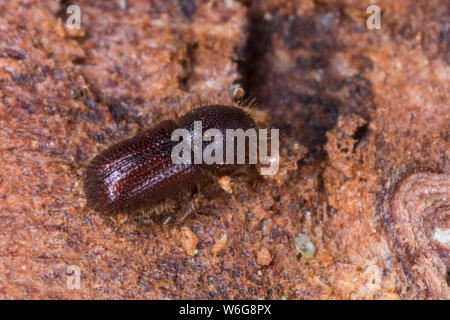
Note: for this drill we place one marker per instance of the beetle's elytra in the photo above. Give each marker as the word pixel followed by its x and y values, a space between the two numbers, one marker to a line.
pixel 139 171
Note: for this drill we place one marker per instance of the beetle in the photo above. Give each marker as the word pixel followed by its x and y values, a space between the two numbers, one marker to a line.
pixel 139 172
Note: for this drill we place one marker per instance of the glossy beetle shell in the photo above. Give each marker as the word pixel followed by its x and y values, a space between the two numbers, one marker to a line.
pixel 139 172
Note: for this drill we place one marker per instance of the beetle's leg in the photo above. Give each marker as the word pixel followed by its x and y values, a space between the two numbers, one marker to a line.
pixel 190 207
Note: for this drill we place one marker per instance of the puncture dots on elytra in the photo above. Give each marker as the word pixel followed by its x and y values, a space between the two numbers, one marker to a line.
pixel 139 172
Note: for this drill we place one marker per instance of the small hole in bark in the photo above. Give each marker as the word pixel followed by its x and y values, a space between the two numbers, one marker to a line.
pixel 360 132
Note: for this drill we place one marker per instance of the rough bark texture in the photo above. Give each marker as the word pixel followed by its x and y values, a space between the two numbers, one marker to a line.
pixel 365 146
